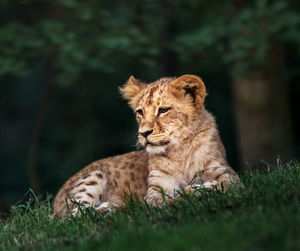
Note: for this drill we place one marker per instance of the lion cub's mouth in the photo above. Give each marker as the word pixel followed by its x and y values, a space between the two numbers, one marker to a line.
pixel 162 143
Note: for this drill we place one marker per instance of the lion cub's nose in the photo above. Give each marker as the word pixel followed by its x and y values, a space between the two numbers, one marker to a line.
pixel 146 133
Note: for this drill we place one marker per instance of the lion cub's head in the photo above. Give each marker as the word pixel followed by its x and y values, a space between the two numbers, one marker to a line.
pixel 167 110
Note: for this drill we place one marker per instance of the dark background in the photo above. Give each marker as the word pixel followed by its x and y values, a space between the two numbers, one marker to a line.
pixel 61 63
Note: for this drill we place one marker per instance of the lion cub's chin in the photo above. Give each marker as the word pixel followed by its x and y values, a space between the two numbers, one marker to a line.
pixel 156 149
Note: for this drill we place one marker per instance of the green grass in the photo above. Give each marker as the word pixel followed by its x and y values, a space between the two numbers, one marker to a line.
pixel 265 215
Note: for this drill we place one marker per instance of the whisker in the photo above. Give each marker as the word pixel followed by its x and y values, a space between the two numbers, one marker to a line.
pixel 138 145
pixel 161 134
pixel 156 136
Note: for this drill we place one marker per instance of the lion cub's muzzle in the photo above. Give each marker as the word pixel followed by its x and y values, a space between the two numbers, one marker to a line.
pixel 148 138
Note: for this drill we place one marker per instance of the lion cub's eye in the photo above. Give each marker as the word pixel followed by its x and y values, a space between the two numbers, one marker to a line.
pixel 139 112
pixel 163 110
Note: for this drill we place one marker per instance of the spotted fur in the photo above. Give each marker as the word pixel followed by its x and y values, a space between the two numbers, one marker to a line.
pixel 183 151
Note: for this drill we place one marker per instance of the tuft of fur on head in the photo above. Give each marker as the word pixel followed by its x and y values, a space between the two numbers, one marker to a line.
pixel 131 89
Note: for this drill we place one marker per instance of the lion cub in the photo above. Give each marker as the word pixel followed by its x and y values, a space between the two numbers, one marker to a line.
pixel 183 150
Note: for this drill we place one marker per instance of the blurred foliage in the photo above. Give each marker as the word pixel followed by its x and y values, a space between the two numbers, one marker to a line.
pixel 85 49
pixel 244 34
pixel 77 36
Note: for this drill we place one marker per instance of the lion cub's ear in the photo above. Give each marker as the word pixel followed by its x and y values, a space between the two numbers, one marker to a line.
pixel 190 85
pixel 131 89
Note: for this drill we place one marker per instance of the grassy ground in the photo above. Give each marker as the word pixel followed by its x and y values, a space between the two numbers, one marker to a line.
pixel 263 216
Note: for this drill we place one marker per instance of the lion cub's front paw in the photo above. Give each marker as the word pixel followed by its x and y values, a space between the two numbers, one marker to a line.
pixel 158 200
pixel 196 187
pixel 192 188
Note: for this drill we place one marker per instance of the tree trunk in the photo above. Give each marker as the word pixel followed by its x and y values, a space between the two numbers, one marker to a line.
pixel 262 113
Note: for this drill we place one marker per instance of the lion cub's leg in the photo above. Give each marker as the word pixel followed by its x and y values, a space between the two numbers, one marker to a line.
pixel 89 190
pixel 162 187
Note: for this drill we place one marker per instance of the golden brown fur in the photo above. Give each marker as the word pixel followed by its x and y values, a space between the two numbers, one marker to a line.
pixel 183 150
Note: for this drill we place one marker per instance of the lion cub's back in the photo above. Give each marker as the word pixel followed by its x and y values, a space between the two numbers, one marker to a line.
pixel 106 179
